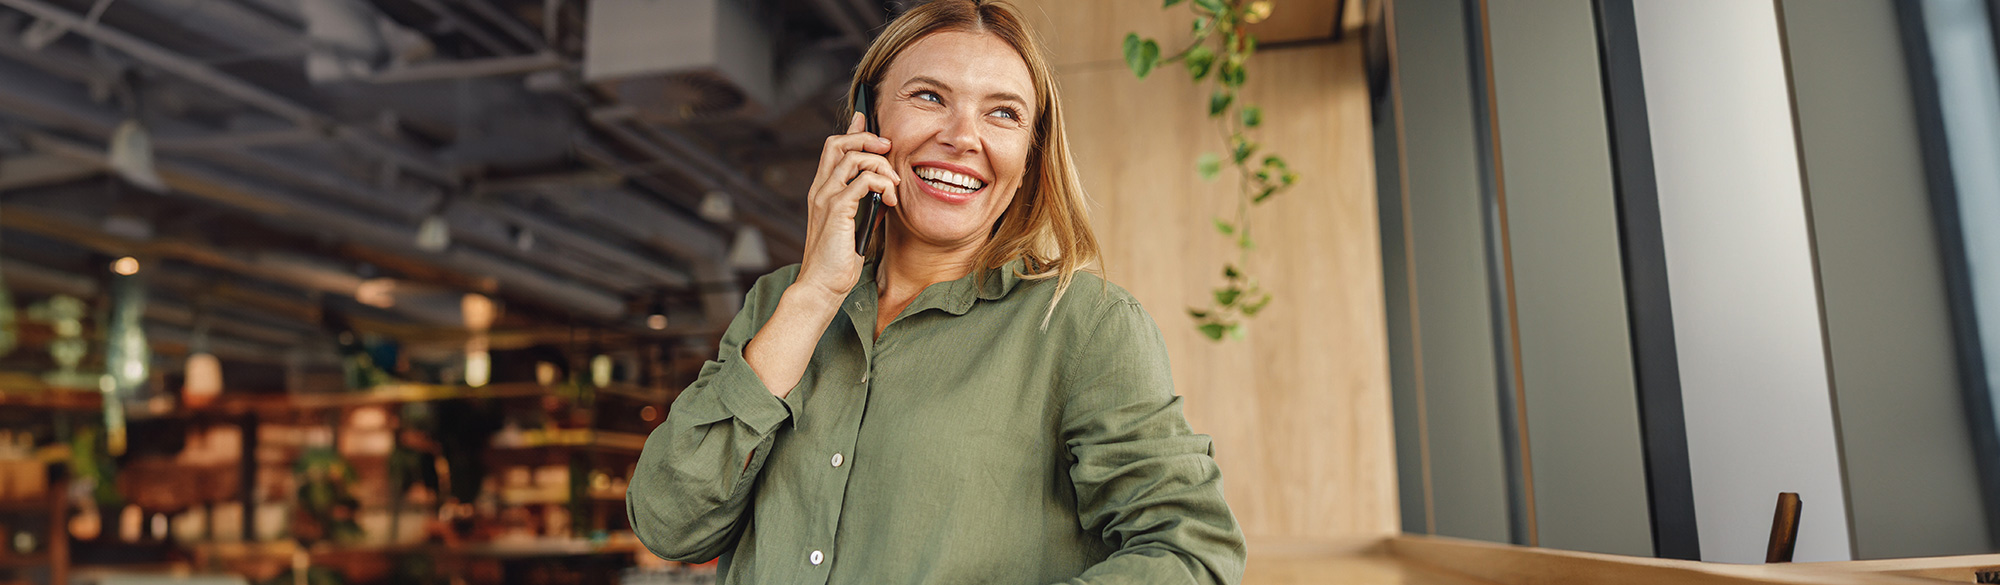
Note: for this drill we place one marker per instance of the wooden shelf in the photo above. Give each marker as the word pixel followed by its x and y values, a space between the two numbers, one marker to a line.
pixel 51 399
pixel 19 561
pixel 567 547
pixel 283 406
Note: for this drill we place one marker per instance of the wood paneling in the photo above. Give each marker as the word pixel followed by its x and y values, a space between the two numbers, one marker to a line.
pixel 1300 409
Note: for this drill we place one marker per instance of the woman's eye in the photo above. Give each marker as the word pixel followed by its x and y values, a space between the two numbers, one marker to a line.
pixel 929 97
pixel 1007 113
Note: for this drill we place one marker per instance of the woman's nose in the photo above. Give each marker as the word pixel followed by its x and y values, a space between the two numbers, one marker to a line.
pixel 961 131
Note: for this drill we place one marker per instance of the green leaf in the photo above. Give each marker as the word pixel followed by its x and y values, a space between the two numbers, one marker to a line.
pixel 1201 27
pixel 1209 165
pixel 1198 313
pixel 1218 102
pixel 1249 45
pixel 1170 3
pixel 1141 54
pixel 1199 60
pixel 1236 331
pixel 1227 296
pixel 1224 227
pixel 1250 310
pixel 1253 116
pixel 1264 194
pixel 1242 148
pixel 1232 73
pixel 1211 6
pixel 1214 331
pixel 1229 271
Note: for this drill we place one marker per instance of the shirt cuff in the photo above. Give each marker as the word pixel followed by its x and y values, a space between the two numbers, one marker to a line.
pixel 747 399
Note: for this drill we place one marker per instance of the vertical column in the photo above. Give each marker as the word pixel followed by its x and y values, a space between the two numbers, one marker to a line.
pixel 1744 294
pixel 1451 335
pixel 1911 476
pixel 1576 364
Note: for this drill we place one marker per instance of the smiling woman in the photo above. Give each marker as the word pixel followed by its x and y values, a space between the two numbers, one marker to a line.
pixel 950 407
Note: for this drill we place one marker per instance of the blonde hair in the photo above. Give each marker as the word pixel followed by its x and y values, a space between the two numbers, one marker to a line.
pixel 1048 223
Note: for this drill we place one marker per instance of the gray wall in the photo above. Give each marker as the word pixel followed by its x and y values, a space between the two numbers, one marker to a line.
pixel 1910 472
pixel 1458 382
pixel 1576 358
pixel 1740 268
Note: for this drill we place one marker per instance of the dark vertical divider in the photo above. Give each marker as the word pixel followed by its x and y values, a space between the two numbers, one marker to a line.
pixel 1951 248
pixel 1670 488
pixel 1499 281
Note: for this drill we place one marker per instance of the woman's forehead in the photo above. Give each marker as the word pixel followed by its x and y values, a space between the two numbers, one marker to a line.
pixel 967 61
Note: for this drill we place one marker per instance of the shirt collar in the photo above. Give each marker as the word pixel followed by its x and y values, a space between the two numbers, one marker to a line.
pixel 958 296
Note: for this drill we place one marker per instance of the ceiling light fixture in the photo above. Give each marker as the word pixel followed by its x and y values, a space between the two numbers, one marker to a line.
pixel 125 266
pixel 748 252
pixel 656 315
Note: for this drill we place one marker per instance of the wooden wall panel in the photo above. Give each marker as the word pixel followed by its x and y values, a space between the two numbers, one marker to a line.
pixel 1300 410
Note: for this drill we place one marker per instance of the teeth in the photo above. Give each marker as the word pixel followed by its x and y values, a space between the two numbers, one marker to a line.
pixel 948 181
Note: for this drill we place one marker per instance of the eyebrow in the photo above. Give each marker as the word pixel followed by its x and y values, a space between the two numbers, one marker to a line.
pixel 998 95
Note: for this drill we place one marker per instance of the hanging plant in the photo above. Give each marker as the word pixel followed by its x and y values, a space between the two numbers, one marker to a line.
pixel 1218 57
pixel 327 505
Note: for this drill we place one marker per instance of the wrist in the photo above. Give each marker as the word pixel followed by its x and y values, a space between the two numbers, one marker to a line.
pixel 811 300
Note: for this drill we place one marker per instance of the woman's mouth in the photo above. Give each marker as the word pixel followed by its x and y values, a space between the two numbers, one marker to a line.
pixel 951 186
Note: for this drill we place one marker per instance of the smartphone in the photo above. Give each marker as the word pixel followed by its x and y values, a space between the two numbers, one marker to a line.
pixel 867 220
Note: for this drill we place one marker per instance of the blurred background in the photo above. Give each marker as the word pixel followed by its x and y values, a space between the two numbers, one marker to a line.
pixel 391 291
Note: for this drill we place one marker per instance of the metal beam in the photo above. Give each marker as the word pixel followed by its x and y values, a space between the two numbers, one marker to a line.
pixel 194 70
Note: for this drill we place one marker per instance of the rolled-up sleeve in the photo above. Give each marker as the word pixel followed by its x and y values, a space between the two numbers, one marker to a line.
pixel 688 493
pixel 1145 482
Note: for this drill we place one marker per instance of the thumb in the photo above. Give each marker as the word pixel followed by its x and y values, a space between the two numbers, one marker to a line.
pixel 856 124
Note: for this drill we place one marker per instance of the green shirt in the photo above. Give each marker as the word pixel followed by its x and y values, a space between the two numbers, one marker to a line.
pixel 966 444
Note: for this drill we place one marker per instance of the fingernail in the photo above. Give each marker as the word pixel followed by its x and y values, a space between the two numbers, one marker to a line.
pixel 882 142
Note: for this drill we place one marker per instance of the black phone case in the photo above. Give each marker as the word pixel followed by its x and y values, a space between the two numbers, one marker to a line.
pixel 869 217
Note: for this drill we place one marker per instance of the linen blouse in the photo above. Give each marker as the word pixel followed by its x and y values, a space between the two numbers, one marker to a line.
pixel 966 444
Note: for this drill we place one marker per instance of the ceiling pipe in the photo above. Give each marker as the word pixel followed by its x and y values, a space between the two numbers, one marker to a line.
pixel 194 70
pixel 458 24
pixel 24 276
pixel 299 214
pixel 669 232
pixel 507 24
pixel 783 226
pixel 653 271
pixel 24 94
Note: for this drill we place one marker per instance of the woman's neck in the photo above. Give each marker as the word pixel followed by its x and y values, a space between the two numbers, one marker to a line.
pixel 908 266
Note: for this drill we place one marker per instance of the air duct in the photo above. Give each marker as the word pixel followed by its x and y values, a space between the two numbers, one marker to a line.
pixel 680 60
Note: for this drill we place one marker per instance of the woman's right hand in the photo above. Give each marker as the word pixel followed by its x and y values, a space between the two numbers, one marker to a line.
pixel 851 166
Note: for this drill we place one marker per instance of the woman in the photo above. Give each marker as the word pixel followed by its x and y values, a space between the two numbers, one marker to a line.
pixel 966 407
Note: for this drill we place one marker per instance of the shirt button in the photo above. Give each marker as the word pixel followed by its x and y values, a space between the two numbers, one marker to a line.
pixel 836 460
pixel 816 558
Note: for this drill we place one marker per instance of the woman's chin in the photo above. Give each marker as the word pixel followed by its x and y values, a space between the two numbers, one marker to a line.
pixel 952 231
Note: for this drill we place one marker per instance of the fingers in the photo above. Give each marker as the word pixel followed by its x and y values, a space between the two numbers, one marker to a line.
pixel 839 145
pixel 857 123
pixel 849 169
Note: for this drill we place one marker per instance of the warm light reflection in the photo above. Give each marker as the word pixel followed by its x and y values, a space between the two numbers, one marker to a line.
pixel 126 266
pixel 376 292
pixel 600 370
pixel 203 380
pixel 478 368
pixel 656 321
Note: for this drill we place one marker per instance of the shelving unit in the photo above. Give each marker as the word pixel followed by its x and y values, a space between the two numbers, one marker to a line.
pixel 607 448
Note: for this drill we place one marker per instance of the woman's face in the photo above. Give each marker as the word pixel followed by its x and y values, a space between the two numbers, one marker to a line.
pixel 957 108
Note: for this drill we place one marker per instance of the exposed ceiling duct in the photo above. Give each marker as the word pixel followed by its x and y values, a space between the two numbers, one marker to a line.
pixel 680 60
pixel 577 156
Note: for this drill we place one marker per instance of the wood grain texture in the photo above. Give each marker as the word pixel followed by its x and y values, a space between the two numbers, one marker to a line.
pixel 1300 410
pixel 1518 565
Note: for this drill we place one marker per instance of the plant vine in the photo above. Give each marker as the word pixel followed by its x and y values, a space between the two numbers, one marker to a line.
pixel 1218 55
